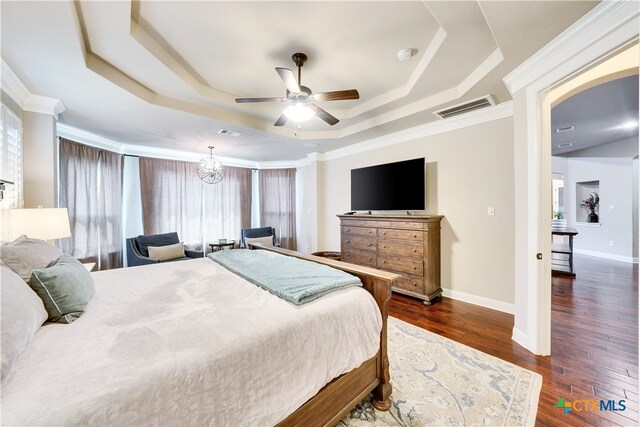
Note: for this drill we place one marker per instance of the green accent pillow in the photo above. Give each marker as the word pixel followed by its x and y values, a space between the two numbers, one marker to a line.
pixel 65 288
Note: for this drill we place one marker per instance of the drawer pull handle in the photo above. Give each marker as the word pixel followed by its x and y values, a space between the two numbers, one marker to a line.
pixel 415 236
pixel 370 231
pixel 414 283
pixel 370 258
pixel 348 229
pixel 370 244
pixel 385 246
pixel 414 267
pixel 415 250
pixel 384 262
pixel 347 254
pixel 384 233
pixel 348 241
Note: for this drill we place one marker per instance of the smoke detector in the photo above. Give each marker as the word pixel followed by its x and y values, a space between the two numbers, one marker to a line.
pixel 404 54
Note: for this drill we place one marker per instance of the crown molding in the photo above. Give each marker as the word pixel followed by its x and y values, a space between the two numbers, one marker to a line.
pixel 497 112
pixel 285 164
pixel 611 22
pixel 43 105
pixel 14 87
pixel 88 138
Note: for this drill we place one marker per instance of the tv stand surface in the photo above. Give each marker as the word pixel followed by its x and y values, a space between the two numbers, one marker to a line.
pixel 405 244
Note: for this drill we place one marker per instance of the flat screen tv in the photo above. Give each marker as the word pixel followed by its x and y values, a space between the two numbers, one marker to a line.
pixel 387 187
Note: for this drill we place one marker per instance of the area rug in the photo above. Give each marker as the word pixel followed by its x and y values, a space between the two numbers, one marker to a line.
pixel 439 382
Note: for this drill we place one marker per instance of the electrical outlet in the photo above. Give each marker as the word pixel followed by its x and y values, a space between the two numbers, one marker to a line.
pixel 612 243
pixel 491 211
pixel 611 207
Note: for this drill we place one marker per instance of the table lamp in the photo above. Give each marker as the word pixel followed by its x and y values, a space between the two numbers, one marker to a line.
pixel 41 223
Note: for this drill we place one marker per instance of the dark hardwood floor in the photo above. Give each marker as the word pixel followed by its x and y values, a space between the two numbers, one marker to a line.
pixel 594 344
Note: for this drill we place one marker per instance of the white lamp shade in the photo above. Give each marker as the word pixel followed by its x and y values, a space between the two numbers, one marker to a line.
pixel 44 223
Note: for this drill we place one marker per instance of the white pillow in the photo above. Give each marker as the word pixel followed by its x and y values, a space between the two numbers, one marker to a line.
pixel 25 254
pixel 267 240
pixel 21 315
pixel 167 252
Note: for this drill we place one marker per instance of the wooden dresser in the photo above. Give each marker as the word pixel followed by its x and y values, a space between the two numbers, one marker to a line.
pixel 404 244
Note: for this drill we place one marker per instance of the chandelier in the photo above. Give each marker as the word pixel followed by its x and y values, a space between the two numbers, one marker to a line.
pixel 210 169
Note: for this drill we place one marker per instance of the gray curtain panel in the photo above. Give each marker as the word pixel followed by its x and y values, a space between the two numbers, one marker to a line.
pixel 278 203
pixel 91 190
pixel 227 205
pixel 172 199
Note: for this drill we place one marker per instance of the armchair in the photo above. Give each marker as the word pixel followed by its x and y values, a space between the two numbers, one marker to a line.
pixel 138 252
pixel 253 233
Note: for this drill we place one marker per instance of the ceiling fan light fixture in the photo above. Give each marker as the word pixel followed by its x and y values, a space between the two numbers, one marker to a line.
pixel 210 169
pixel 298 112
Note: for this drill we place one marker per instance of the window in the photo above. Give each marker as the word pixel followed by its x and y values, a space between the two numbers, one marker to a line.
pixel 10 163
pixel 11 157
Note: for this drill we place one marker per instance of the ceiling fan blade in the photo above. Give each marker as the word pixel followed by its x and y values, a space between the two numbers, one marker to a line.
pixel 272 99
pixel 289 79
pixel 323 114
pixel 281 121
pixel 337 95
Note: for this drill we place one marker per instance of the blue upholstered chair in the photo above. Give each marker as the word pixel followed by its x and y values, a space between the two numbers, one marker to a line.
pixel 138 252
pixel 253 233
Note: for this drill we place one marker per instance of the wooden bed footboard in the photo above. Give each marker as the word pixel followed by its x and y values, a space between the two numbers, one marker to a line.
pixel 340 396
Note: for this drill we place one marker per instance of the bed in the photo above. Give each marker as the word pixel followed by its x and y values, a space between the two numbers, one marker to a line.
pixel 191 343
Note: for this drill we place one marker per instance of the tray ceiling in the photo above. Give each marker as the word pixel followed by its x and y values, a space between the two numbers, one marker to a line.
pixel 165 74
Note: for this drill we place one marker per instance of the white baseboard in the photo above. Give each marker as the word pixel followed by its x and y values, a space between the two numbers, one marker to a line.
pixel 493 304
pixel 520 337
pixel 606 255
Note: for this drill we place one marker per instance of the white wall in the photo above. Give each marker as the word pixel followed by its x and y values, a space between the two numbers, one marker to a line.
pixel 468 170
pixel 40 151
pixel 132 198
pixel 615 176
pixel 307 198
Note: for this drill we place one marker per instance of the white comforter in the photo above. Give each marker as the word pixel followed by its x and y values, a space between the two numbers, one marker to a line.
pixel 187 343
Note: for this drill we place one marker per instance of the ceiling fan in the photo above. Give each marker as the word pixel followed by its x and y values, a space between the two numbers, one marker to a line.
pixel 301 98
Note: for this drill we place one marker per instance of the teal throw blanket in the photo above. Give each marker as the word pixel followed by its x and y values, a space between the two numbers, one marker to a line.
pixel 289 278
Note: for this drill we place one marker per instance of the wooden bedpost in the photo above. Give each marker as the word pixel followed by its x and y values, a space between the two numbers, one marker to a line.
pixel 382 295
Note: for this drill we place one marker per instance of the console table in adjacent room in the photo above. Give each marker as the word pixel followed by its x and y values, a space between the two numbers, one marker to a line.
pixel 405 244
pixel 563 266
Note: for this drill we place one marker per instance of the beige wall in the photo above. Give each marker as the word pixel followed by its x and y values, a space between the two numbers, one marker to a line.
pixel 468 170
pixel 39 160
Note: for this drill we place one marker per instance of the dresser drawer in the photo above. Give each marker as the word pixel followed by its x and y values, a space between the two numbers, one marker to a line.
pixel 353 222
pixel 348 230
pixel 356 242
pixel 360 257
pixel 400 234
pixel 394 247
pixel 410 283
pixel 408 224
pixel 402 264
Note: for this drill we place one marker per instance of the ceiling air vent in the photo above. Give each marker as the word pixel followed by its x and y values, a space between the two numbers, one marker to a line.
pixel 474 104
pixel 229 133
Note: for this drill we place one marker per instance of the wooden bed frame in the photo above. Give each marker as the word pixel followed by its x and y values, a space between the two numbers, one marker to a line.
pixel 335 400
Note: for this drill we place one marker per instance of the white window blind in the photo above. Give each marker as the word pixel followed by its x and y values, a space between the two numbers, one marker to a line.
pixel 10 163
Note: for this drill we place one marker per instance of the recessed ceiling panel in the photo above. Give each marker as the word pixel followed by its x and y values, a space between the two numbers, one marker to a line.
pixel 235 46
